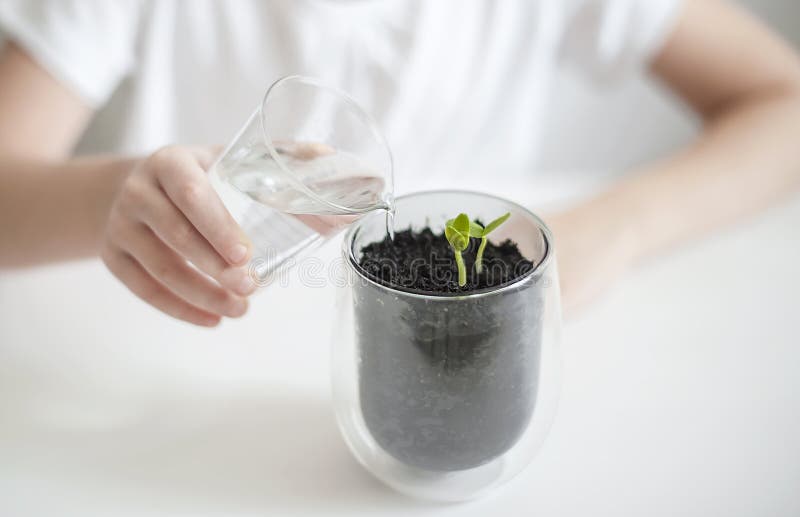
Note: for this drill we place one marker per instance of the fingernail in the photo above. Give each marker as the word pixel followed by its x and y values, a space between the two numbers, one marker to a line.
pixel 238 308
pixel 210 321
pixel 246 285
pixel 238 253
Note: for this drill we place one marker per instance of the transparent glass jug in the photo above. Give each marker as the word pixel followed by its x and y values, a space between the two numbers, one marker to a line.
pixel 444 397
pixel 308 162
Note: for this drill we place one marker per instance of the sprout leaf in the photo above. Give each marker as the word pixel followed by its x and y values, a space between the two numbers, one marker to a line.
pixel 455 238
pixel 494 224
pixel 457 232
pixel 475 230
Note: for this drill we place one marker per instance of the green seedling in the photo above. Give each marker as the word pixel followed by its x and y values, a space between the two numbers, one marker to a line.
pixel 482 234
pixel 458 232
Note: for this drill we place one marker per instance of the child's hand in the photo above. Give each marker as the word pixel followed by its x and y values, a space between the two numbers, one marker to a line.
pixel 166 223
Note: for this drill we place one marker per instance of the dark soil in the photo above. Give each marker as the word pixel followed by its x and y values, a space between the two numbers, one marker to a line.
pixel 424 261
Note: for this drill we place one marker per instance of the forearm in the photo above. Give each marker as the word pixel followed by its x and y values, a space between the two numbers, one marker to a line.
pixel 747 158
pixel 52 212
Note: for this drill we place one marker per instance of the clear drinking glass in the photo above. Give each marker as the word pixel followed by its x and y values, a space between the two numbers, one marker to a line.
pixel 444 397
pixel 308 162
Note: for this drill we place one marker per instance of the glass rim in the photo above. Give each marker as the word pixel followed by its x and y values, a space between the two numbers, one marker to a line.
pixel 538 269
pixel 347 99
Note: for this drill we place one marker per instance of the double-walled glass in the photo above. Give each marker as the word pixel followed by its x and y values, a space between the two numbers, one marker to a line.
pixel 444 397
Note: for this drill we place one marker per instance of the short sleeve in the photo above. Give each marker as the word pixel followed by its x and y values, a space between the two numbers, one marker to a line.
pixel 607 40
pixel 88 45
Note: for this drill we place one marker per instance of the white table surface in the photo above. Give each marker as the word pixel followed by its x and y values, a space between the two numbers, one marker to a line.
pixel 680 397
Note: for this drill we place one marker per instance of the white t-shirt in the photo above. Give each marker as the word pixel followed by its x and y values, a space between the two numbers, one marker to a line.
pixel 457 86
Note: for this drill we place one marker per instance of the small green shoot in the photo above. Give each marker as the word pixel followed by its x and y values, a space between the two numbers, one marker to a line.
pixel 458 232
pixel 484 232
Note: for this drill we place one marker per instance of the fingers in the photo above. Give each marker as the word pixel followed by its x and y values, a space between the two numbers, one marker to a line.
pixel 174 273
pixel 175 230
pixel 143 285
pixel 170 239
pixel 206 155
pixel 180 174
pixel 304 150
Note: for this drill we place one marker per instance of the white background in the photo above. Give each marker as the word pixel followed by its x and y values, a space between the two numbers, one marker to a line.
pixel 681 392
